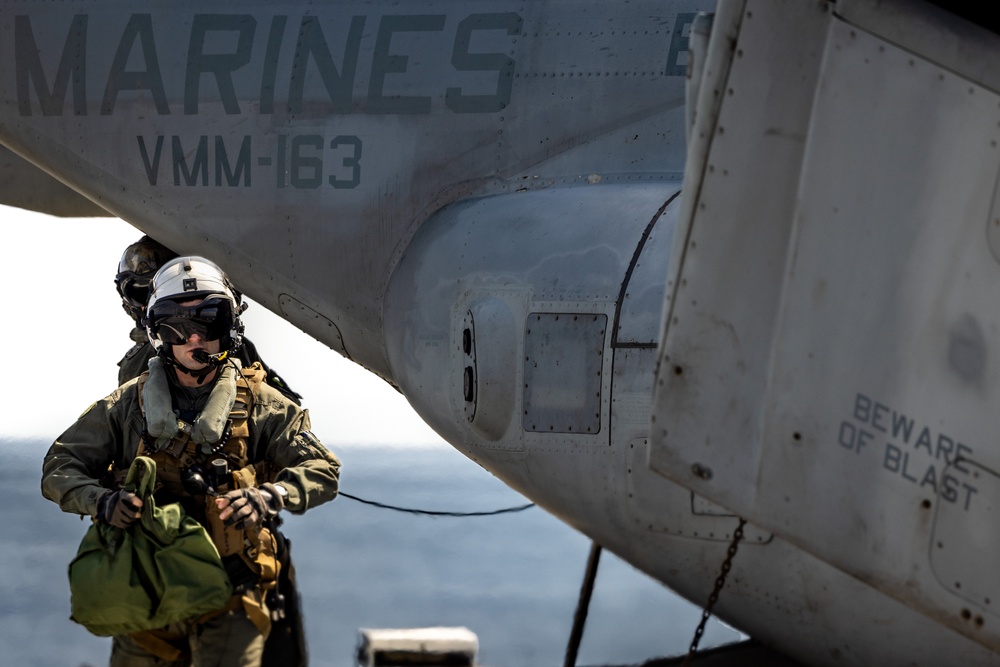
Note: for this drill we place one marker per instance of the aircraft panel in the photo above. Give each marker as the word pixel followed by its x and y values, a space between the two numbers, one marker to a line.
pixel 563 371
pixel 571 405
pixel 858 402
pixel 889 301
pixel 942 34
pixel 727 261
pixel 962 536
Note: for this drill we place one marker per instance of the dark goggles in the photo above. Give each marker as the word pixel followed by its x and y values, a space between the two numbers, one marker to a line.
pixel 172 323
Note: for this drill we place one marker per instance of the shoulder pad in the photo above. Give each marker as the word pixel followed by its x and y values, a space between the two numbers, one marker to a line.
pixel 254 375
pixel 134 350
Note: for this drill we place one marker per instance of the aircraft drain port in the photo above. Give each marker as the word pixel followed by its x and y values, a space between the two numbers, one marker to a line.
pixel 469 383
pixel 469 374
pixel 488 366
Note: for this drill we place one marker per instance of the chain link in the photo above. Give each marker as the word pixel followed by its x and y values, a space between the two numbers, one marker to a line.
pixel 720 581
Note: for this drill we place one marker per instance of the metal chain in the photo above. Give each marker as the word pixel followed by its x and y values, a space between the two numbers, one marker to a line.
pixel 720 581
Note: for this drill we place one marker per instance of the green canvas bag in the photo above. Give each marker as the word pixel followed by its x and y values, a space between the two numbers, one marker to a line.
pixel 162 569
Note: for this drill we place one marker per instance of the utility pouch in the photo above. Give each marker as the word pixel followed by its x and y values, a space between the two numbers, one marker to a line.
pixel 228 540
pixel 262 554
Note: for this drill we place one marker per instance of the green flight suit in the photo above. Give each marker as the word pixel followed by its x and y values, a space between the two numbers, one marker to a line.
pixel 286 645
pixel 107 435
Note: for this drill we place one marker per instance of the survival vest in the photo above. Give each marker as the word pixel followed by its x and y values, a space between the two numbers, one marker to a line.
pixel 182 458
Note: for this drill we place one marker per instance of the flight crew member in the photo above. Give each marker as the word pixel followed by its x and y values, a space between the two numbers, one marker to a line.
pixel 135 269
pixel 181 414
pixel 286 645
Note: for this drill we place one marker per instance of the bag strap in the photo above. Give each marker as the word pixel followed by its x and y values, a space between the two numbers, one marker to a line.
pixel 144 468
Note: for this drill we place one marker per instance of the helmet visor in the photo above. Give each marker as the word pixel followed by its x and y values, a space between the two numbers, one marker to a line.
pixel 134 288
pixel 176 331
pixel 172 323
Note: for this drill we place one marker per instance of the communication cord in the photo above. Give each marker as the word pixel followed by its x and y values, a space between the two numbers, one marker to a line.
pixel 433 513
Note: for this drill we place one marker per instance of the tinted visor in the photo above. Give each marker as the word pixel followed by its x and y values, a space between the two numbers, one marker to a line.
pixel 134 288
pixel 172 323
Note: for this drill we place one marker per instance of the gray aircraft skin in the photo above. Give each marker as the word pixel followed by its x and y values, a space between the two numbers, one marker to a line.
pixel 480 202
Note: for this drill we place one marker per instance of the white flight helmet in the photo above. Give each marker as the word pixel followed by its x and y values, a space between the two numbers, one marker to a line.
pixel 215 317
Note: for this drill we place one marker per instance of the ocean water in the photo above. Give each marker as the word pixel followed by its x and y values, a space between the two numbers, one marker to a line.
pixel 513 579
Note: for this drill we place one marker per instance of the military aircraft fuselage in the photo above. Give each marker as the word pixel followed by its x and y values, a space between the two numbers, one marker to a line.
pixel 481 202
pixel 345 122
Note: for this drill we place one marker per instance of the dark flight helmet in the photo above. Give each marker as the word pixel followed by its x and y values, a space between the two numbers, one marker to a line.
pixel 138 265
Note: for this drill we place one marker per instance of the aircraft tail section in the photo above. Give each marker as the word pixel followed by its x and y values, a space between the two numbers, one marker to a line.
pixel 829 351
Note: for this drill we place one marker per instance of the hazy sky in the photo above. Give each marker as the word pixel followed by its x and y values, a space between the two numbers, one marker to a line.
pixel 64 331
